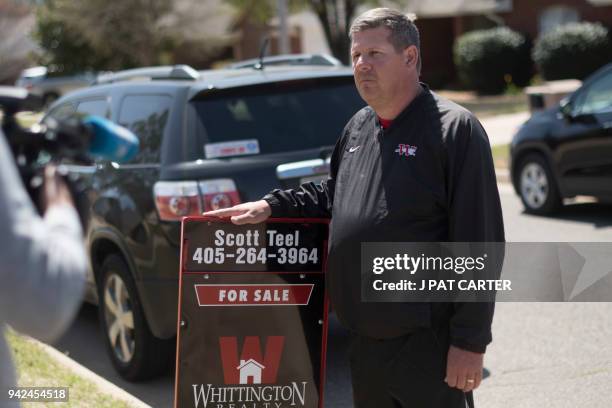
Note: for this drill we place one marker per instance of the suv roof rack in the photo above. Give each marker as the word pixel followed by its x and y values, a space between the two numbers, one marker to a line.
pixel 181 72
pixel 290 59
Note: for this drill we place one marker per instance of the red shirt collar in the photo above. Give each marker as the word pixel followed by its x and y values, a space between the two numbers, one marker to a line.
pixel 385 123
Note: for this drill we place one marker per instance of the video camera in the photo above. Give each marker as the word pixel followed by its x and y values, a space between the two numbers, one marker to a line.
pixel 76 140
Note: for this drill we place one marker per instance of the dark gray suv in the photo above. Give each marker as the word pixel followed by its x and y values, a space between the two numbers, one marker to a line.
pixel 209 140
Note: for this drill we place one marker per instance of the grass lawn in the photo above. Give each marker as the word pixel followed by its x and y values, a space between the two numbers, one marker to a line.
pixel 36 369
pixel 501 156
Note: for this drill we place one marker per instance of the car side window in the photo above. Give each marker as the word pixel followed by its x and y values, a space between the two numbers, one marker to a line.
pixel 61 112
pixel 146 116
pixel 597 98
pixel 98 107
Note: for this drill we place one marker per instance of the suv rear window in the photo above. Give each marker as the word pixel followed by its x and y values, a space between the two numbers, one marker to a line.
pixel 277 117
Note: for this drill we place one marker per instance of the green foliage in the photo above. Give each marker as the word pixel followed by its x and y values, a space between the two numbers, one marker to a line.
pixel 36 368
pixel 101 34
pixel 260 11
pixel 490 60
pixel 572 51
pixel 335 17
pixel 66 49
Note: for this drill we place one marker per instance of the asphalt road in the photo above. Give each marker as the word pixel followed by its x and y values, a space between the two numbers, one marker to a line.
pixel 543 355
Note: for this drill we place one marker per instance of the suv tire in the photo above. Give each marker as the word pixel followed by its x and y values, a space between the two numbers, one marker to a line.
pixel 537 186
pixel 133 350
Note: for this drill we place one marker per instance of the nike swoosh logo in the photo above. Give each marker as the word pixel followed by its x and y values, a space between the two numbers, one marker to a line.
pixel 354 149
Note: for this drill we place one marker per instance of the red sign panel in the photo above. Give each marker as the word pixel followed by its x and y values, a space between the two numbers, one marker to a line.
pixel 253 295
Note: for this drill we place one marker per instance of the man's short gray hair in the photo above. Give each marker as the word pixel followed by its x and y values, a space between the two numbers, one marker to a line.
pixel 404 32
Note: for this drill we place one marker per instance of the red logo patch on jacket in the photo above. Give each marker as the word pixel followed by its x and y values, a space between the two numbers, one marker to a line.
pixel 406 150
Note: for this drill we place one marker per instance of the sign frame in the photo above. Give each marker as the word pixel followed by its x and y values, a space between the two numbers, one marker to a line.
pixel 183 271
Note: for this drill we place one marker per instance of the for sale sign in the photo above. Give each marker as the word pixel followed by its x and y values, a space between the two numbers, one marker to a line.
pixel 252 314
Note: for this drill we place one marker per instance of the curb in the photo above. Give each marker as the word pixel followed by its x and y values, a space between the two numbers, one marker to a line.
pixel 503 175
pixel 103 384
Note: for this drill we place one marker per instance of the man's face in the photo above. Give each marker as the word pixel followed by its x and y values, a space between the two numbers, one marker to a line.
pixel 380 71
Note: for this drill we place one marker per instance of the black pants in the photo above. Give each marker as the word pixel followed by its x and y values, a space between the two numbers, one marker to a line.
pixel 405 372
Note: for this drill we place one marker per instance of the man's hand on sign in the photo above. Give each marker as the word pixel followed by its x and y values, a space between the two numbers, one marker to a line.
pixel 252 212
pixel 463 369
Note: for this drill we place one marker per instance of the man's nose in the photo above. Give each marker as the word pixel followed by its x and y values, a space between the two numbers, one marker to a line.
pixel 362 64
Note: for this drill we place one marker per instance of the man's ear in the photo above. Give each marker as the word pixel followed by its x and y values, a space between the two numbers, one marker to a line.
pixel 410 55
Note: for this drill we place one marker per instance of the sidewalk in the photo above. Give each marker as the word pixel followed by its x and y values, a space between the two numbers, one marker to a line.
pixel 501 128
pixel 502 175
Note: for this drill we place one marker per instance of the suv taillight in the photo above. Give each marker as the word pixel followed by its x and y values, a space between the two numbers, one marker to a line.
pixel 177 199
pixel 219 193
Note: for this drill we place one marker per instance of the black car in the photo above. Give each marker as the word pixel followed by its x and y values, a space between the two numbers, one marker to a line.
pixel 566 151
pixel 209 140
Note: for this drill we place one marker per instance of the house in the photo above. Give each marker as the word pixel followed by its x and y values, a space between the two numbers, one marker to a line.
pixel 250 371
pixel 440 23
pixel 249 35
pixel 201 32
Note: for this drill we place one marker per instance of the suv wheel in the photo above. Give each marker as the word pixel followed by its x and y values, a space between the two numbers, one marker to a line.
pixel 135 353
pixel 537 186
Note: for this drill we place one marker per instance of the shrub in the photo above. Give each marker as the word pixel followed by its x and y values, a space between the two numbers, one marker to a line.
pixel 489 60
pixel 572 51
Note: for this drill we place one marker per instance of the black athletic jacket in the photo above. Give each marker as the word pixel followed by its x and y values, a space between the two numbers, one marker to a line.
pixel 429 177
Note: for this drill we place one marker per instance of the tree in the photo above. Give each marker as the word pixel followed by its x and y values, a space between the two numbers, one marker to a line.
pixel 66 49
pixel 259 11
pixel 118 34
pixel 101 34
pixel 336 17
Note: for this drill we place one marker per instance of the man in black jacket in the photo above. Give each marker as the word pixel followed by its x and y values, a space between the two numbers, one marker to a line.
pixel 410 167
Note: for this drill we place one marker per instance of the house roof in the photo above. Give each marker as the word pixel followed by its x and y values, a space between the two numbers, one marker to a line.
pixel 453 8
pixel 248 362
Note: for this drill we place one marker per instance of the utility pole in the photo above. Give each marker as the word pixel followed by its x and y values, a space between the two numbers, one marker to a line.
pixel 283 31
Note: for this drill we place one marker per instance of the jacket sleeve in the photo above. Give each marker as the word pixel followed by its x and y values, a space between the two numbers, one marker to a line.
pixel 475 215
pixel 310 199
pixel 42 260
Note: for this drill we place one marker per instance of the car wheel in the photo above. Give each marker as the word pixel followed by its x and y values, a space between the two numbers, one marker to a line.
pixel 537 186
pixel 135 353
